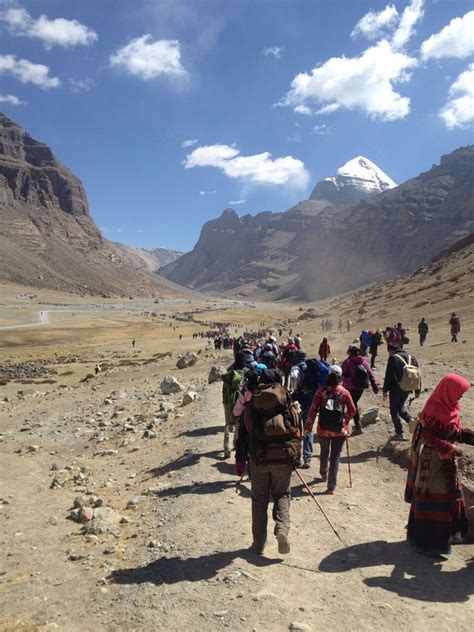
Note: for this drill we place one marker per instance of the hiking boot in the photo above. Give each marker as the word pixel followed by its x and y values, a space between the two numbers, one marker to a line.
pixel 399 436
pixel 357 431
pixel 227 454
pixel 306 465
pixel 283 544
pixel 331 489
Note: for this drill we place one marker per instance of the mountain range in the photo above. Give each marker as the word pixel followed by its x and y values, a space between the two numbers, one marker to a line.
pixel 322 247
pixel 48 238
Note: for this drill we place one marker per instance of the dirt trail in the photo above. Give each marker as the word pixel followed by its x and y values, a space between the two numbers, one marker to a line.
pixel 182 563
pixel 43 319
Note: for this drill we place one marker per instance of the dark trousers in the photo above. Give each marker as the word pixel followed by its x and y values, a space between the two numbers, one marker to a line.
pixel 331 448
pixel 422 339
pixel 398 410
pixel 356 395
pixel 269 481
pixel 372 359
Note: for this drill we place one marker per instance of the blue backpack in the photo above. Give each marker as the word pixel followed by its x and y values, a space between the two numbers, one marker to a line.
pixel 314 374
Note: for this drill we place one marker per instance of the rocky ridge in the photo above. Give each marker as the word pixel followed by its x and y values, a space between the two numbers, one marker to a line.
pixel 47 237
pixel 317 249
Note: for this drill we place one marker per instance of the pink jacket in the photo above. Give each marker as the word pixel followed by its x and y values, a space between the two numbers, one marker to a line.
pixel 242 399
pixel 348 370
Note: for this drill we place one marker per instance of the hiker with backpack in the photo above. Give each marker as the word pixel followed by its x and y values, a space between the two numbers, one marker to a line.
pixel 402 335
pixel 335 407
pixel 455 323
pixel 287 360
pixel 423 331
pixel 312 375
pixel 357 377
pixel 402 376
pixel 365 340
pixel 374 345
pixel 324 350
pixel 270 439
pixel 232 381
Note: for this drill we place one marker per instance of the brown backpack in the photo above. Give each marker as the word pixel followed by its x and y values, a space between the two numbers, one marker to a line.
pixel 272 421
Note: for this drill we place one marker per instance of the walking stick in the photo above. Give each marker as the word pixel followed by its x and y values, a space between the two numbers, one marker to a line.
pixel 349 462
pixel 237 487
pixel 316 501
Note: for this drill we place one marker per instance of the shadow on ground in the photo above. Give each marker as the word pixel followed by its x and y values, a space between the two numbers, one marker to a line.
pixel 171 570
pixel 413 575
pixel 202 432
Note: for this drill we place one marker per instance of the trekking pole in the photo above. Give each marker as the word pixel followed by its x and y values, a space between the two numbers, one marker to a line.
pixel 239 483
pixel 349 462
pixel 316 501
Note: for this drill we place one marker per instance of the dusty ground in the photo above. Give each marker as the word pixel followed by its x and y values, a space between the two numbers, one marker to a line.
pixel 179 559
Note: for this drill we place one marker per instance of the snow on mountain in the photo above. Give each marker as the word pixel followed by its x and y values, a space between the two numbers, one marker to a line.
pixel 358 179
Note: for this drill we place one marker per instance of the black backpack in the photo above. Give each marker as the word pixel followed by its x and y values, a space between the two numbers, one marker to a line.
pixel 331 416
pixel 360 378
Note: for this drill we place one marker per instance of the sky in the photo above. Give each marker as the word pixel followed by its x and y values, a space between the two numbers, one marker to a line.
pixel 170 111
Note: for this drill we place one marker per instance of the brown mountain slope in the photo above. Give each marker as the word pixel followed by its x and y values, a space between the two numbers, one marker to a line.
pixel 316 250
pixel 47 237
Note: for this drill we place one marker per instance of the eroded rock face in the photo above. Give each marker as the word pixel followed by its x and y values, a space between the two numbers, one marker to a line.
pixel 295 254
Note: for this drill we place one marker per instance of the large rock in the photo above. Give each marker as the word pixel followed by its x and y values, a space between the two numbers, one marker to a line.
pixel 105 520
pixel 370 415
pixel 215 375
pixel 188 359
pixel 189 397
pixel 170 385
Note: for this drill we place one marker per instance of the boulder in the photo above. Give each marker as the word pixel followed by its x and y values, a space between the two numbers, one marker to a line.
pixel 105 520
pixel 186 360
pixel 167 407
pixel 215 375
pixel 188 398
pixel 170 385
pixel 370 415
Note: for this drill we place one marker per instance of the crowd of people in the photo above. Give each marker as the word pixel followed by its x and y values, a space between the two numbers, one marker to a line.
pixel 274 394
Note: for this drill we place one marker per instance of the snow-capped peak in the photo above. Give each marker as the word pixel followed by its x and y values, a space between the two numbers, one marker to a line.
pixel 363 171
pixel 359 178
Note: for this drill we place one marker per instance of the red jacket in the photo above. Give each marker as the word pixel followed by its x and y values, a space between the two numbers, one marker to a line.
pixel 319 401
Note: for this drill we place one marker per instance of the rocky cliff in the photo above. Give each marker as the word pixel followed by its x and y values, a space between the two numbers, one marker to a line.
pixel 318 249
pixel 47 237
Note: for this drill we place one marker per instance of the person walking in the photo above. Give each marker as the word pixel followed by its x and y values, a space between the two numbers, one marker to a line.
pixel 437 516
pixel 357 377
pixel 287 360
pixel 324 350
pixel 455 323
pixel 423 331
pixel 336 408
pixel 376 340
pixel 271 441
pixel 231 386
pixel 392 387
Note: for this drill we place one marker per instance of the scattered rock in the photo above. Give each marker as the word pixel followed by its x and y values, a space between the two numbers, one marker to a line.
pixel 370 415
pixel 186 360
pixel 301 627
pixel 170 385
pixel 215 375
pixel 104 520
pixel 106 452
pixel 188 398
pixel 167 407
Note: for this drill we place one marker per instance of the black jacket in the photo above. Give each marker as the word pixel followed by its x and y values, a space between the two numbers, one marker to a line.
pixel 423 327
pixel 394 370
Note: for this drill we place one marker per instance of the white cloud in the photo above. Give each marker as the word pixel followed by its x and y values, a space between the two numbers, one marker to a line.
pixel 454 40
pixel 459 110
pixel 11 99
pixel 329 109
pixel 294 139
pixel 374 24
pixel 273 51
pixel 204 193
pixel 189 143
pixel 365 83
pixel 27 72
pixel 80 85
pixel 146 59
pixel 237 202
pixel 303 109
pixel 257 169
pixel 55 32
pixel 321 130
pixel 410 16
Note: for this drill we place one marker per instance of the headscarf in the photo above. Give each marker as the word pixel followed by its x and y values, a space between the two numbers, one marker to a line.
pixel 443 403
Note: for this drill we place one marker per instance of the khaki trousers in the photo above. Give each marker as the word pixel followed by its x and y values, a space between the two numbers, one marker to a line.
pixel 270 481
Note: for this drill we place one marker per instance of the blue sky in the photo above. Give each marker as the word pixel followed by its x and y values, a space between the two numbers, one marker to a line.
pixel 271 96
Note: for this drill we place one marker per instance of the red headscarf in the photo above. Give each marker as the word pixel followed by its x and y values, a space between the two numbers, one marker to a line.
pixel 443 403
